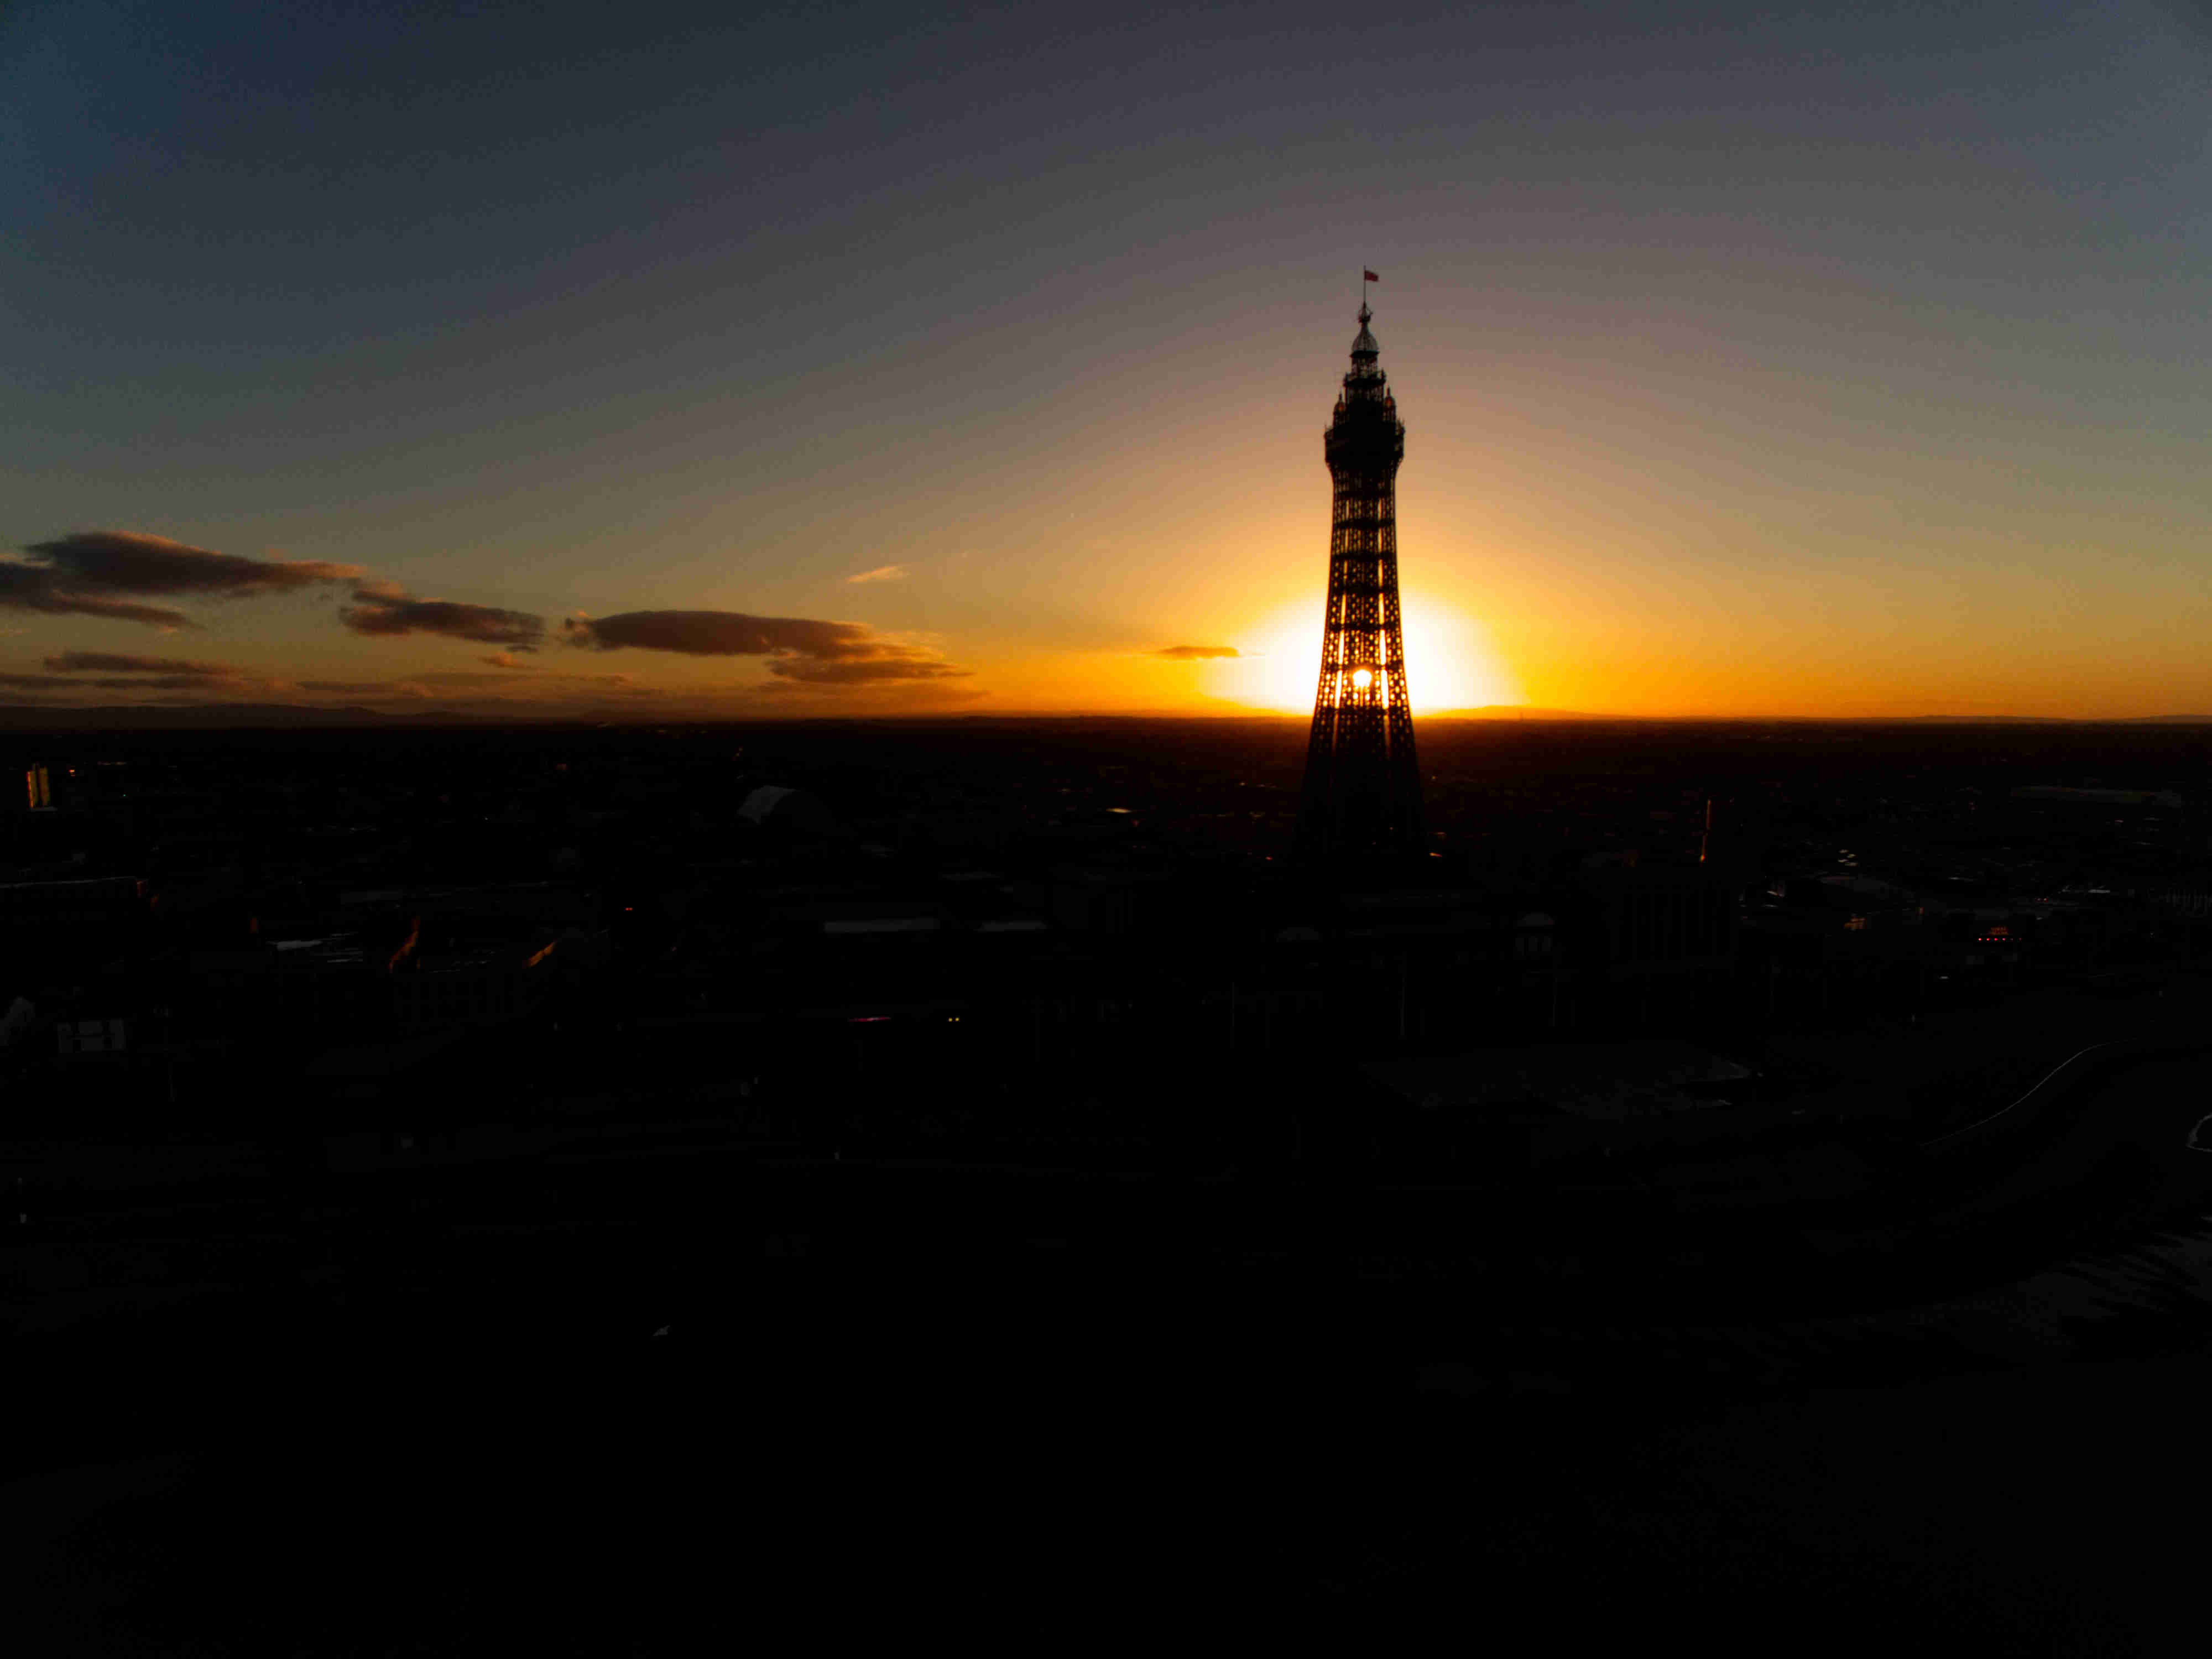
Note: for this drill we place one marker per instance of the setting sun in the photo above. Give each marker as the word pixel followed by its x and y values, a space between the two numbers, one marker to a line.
pixel 1450 661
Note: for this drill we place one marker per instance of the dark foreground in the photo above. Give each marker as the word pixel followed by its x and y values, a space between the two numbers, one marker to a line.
pixel 659 1434
pixel 655 1452
pixel 946 1479
pixel 656 1427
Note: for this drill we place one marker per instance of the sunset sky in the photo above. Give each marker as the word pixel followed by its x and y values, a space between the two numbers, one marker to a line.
pixel 622 360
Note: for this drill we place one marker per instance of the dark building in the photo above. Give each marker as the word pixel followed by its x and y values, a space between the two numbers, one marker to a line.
pixel 31 907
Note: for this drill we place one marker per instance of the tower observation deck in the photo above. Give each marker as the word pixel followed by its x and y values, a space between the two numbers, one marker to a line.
pixel 1363 785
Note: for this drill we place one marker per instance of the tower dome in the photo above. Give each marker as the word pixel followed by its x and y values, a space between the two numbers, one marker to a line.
pixel 1363 344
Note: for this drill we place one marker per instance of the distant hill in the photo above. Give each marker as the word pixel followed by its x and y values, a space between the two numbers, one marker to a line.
pixel 220 716
pixel 2051 720
pixel 1508 712
pixel 1496 711
pixel 199 716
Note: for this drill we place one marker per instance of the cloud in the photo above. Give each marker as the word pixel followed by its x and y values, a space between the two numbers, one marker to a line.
pixel 83 574
pixel 717 634
pixel 146 676
pixel 113 671
pixel 436 683
pixel 408 689
pixel 801 648
pixel 384 611
pixel 502 659
pixel 125 562
pixel 903 694
pixel 110 662
pixel 167 683
pixel 859 671
pixel 538 680
pixel 881 573
pixel 1195 653
pixel 469 677
pixel 32 588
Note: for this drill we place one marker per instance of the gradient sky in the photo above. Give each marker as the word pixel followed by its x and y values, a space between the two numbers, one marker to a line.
pixel 1845 360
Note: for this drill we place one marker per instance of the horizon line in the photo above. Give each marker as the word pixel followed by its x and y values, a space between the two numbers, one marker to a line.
pixel 251 714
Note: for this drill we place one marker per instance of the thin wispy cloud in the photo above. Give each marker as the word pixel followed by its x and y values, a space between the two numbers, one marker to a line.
pixel 113 671
pixel 1195 653
pixel 171 683
pixel 508 681
pixel 897 664
pixel 881 573
pixel 112 662
pixel 905 693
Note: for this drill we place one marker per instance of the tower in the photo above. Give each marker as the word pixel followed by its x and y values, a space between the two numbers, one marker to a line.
pixel 1363 787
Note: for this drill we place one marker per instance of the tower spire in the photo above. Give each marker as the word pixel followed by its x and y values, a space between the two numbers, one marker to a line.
pixel 1363 783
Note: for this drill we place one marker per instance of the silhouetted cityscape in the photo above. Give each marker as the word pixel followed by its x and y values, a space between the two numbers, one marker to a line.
pixel 1023 1049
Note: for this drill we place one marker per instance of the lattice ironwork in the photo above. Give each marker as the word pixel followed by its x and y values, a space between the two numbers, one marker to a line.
pixel 1363 785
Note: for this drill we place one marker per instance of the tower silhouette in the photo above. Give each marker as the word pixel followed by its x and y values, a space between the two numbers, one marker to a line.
pixel 1363 786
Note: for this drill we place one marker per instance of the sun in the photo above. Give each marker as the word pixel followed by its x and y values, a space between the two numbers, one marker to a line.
pixel 1450 661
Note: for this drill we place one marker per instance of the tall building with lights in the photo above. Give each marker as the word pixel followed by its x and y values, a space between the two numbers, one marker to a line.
pixel 1363 784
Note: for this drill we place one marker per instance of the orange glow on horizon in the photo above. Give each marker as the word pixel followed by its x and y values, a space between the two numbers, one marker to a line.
pixel 1450 663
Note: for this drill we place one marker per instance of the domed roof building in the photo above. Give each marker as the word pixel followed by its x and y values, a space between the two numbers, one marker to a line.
pixel 795 810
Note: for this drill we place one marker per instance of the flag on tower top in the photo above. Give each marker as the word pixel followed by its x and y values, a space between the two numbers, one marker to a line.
pixel 1369 275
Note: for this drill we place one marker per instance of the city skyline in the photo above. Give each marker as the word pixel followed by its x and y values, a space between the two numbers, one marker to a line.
pixel 841 363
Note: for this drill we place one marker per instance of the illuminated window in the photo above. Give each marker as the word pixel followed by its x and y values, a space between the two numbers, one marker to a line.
pixel 1856 925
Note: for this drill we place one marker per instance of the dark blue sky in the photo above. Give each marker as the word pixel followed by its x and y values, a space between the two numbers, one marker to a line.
pixel 1885 319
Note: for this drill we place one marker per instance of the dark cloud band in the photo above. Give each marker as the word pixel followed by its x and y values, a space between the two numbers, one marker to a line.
pixel 32 587
pixel 125 562
pixel 717 634
pixel 801 648
pixel 376 610
pixel 100 573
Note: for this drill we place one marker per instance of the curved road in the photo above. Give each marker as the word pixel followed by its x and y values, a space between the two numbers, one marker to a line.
pixel 2147 1100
